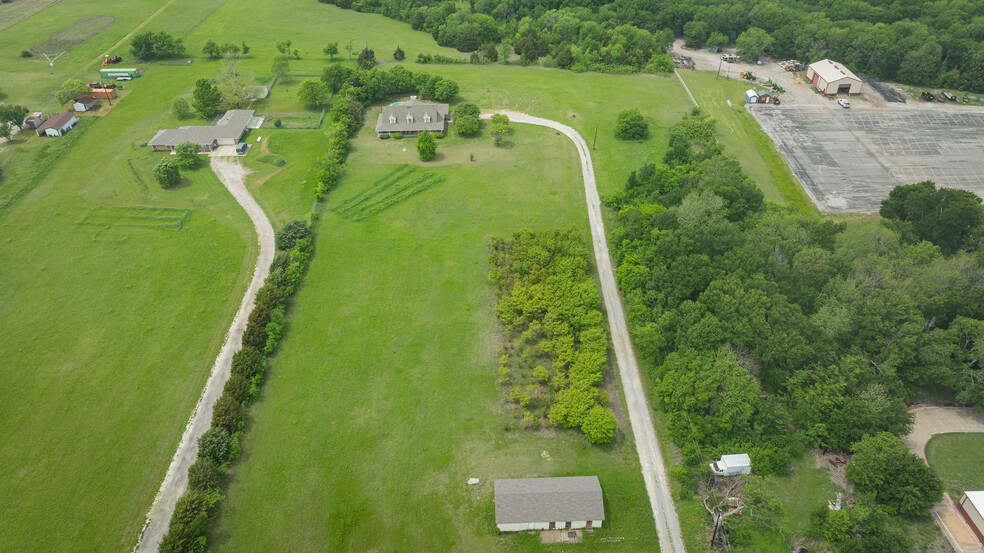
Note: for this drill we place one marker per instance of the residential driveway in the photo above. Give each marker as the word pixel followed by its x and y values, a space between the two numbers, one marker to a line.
pixel 233 176
pixel 944 420
pixel 650 457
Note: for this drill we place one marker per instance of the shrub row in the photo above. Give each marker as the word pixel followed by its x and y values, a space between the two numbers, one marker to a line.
pixel 191 522
pixel 558 345
pixel 346 118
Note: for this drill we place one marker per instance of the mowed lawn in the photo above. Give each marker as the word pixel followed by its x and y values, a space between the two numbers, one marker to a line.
pixel 382 401
pixel 742 136
pixel 111 319
pixel 955 457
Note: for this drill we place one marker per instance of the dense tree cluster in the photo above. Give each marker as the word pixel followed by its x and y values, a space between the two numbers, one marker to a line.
pixel 558 349
pixel 917 42
pixel 757 320
pixel 156 45
pixel 372 85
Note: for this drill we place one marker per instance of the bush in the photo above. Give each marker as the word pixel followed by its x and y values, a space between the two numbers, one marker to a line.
pixel 599 426
pixel 631 125
pixel 255 336
pixel 238 387
pixel 248 362
pixel 227 413
pixel 291 233
pixel 189 524
pixel 397 135
pixel 426 147
pixel 466 125
pixel 214 444
pixel 272 159
pixel 181 108
pixel 277 123
pixel 204 475
pixel 187 155
pixel 466 108
pixel 274 330
pixel 167 173
pixel 26 54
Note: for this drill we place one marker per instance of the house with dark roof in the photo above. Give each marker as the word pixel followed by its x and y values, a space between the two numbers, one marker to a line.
pixel 548 503
pixel 411 117
pixel 58 124
pixel 227 131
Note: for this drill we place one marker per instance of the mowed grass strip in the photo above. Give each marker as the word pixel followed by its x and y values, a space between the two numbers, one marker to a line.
pixel 382 400
pixel 742 136
pixel 955 457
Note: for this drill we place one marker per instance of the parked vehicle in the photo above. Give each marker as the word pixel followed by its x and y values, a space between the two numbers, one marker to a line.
pixel 732 465
pixel 948 96
pixel 124 78
pixel 928 96
pixel 843 103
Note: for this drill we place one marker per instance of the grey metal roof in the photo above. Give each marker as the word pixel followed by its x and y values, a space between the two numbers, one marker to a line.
pixel 231 125
pixel 570 498
pixel 416 109
pixel 57 121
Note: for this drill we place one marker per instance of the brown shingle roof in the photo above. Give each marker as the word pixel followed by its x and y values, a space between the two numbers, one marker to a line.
pixel 57 121
pixel 571 498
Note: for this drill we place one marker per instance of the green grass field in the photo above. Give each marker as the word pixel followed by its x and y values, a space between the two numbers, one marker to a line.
pixel 742 136
pixel 954 457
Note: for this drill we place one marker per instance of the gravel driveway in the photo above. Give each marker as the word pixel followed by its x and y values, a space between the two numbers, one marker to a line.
pixel 650 457
pixel 233 176
pixel 944 420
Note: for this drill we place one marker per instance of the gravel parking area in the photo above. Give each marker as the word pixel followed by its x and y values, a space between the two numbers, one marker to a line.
pixel 848 160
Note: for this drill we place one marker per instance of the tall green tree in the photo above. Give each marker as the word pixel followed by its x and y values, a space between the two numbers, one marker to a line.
pixel 206 99
pixel 884 470
pixel 331 50
pixel 211 49
pixel 952 219
pixel 167 173
pixel 13 114
pixel 72 90
pixel 398 54
pixel 753 43
pixel 314 94
pixel 281 68
pixel 498 127
pixel 426 146
pixel 367 59
pixel 187 155
pixel 335 75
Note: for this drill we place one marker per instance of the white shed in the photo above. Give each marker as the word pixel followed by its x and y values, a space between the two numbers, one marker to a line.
pixel 731 465
pixel 58 124
pixel 548 503
pixel 751 97
pixel 830 77
pixel 971 508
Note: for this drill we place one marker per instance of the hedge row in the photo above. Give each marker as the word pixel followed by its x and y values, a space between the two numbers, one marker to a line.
pixel 191 522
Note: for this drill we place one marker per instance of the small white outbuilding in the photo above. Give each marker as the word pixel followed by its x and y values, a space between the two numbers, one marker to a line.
pixel 732 465
pixel 830 78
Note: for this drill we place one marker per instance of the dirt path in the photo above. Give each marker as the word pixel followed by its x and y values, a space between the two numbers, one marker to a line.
pixel 116 46
pixel 233 176
pixel 944 420
pixel 650 457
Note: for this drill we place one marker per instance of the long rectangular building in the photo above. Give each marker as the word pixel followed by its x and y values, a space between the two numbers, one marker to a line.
pixel 830 77
pixel 548 503
pixel 227 131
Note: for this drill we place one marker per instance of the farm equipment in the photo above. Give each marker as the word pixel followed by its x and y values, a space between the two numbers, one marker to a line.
pixel 747 75
pixel 791 65
pixel 111 59
pixel 775 100
pixel 730 58
pixel 948 96
pixel 776 87
pixel 928 96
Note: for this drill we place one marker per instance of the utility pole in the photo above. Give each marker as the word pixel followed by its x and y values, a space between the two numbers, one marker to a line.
pixel 595 142
pixel 719 69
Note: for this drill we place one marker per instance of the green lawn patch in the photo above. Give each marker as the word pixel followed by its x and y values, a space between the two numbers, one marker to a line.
pixel 955 457
pixel 400 184
pixel 76 33
pixel 272 159
pixel 744 138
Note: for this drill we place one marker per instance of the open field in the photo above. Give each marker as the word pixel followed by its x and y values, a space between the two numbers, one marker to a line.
pixel 382 400
pixel 116 299
pixel 955 457
pixel 850 159
pixel 743 137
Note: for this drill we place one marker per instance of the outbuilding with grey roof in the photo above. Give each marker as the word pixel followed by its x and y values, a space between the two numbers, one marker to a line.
pixel 412 117
pixel 227 131
pixel 548 503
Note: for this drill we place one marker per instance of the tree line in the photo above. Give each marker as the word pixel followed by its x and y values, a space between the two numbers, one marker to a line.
pixel 913 41
pixel 767 330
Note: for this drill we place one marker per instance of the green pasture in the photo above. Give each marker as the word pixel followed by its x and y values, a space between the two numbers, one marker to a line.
pixel 382 401
pixel 117 296
pixel 955 457
pixel 742 136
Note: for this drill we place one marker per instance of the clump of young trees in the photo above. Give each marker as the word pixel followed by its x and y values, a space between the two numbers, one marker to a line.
pixel 156 45
pixel 557 352
pixel 372 85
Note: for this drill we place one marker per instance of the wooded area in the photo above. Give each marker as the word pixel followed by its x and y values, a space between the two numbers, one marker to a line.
pixel 916 42
pixel 766 330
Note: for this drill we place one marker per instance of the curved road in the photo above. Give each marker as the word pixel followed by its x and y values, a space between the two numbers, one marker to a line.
pixel 233 176
pixel 930 421
pixel 650 457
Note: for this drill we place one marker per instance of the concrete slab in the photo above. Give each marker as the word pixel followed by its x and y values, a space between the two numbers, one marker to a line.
pixel 848 160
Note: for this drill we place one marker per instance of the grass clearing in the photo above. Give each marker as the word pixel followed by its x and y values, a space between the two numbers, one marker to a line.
pixel 76 33
pixel 22 9
pixel 738 130
pixel 955 457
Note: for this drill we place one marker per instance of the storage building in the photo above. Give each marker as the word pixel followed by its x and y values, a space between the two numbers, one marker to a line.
pixel 751 97
pixel 832 78
pixel 120 72
pixel 34 120
pixel 971 508
pixel 548 503
pixel 58 124
pixel 85 104
pixel 102 93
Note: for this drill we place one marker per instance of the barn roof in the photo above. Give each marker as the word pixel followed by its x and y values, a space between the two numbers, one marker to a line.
pixel 522 500
pixel 831 71
pixel 57 121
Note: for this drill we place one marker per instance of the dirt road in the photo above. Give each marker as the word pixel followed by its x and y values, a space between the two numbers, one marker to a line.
pixel 233 176
pixel 943 420
pixel 650 457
